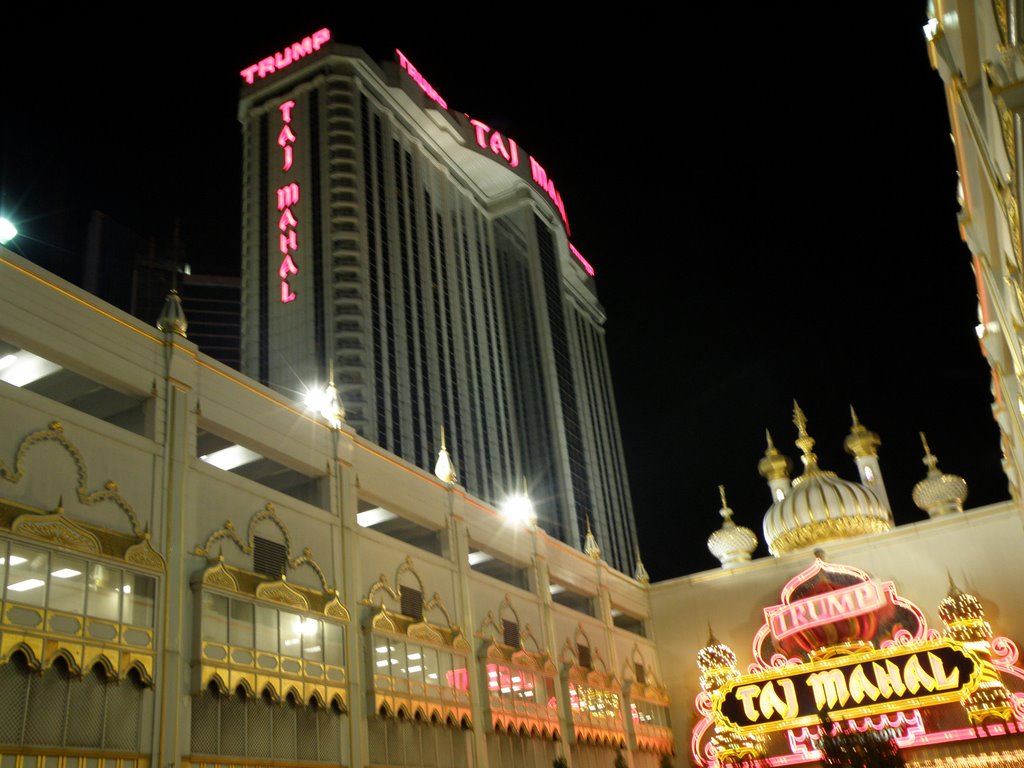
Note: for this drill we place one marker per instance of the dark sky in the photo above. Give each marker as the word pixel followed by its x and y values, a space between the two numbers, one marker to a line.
pixel 774 220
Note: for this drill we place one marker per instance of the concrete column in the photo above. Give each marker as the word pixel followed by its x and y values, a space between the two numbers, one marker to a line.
pixel 459 541
pixel 177 433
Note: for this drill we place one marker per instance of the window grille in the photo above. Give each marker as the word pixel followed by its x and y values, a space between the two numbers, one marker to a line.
pixel 511 632
pixel 269 558
pixel 412 602
pixel 583 654
pixel 34 708
pixel 641 674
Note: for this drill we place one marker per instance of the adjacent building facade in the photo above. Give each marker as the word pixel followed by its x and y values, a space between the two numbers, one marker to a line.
pixel 423 260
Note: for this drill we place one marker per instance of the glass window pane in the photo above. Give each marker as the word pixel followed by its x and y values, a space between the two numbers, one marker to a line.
pixel 266 629
pixel 382 653
pixel 215 618
pixel 3 562
pixel 334 644
pixel 139 599
pixel 413 662
pixel 103 599
pixel 27 575
pixel 312 640
pixel 397 658
pixel 291 634
pixel 240 624
pixel 430 666
pixel 67 584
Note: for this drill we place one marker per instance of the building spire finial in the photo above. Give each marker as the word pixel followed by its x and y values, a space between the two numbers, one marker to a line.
pixel 804 441
pixel 444 468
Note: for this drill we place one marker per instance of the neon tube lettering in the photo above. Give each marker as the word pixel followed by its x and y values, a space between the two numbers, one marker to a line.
pixel 579 257
pixel 292 53
pixel 420 80
pixel 287 197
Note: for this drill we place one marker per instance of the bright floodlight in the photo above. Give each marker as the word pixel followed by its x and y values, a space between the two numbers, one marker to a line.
pixel 7 231
pixel 519 509
pixel 327 403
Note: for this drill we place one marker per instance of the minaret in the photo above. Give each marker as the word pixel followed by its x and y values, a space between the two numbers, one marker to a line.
pixel 863 444
pixel 775 468
pixel 732 544
pixel 939 493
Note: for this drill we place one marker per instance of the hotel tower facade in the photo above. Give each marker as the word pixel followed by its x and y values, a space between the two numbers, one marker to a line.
pixel 425 260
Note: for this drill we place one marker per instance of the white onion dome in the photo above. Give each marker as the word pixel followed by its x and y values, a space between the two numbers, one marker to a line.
pixel 939 494
pixel 732 544
pixel 821 507
pixel 717 664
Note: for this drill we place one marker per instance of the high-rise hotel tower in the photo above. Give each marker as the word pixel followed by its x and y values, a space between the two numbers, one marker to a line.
pixel 425 258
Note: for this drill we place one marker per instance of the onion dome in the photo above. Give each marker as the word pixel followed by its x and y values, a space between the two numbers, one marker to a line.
pixel 965 621
pixel 821 506
pixel 861 441
pixel 444 469
pixel 732 544
pixel 964 617
pixel 717 664
pixel 774 465
pixel 939 494
pixel 172 316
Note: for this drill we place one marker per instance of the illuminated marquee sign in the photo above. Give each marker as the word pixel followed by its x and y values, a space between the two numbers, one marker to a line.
pixel 287 200
pixel 867 684
pixel 815 611
pixel 288 56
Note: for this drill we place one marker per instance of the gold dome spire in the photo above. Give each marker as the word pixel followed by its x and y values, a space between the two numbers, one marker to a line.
pixel 444 469
pixel 732 544
pixel 172 317
pixel 804 441
pixel 774 465
pixel 590 546
pixel 938 494
pixel 861 441
pixel 640 574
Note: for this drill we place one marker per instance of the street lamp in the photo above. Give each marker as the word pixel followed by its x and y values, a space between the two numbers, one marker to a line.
pixel 518 508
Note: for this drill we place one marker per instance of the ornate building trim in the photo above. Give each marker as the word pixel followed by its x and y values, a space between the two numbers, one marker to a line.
pixel 269 513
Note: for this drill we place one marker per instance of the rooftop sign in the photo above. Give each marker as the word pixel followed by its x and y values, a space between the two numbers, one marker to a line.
pixel 289 55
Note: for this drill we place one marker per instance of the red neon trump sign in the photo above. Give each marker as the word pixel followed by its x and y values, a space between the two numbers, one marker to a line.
pixel 818 610
pixel 288 56
pixel 287 199
pixel 420 80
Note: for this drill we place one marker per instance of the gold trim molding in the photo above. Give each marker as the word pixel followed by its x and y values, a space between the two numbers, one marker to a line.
pixel 390 621
pixel 268 513
pixel 227 578
pixel 55 433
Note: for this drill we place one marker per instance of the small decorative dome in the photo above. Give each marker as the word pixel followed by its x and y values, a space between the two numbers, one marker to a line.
pixel 774 465
pixel 717 664
pixel 821 507
pixel 939 494
pixel 172 316
pixel 964 617
pixel 861 441
pixel 732 544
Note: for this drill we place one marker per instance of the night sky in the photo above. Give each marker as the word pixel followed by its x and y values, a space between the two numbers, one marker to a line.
pixel 775 220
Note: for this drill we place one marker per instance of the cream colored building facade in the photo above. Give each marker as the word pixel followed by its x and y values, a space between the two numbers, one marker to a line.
pixel 220 577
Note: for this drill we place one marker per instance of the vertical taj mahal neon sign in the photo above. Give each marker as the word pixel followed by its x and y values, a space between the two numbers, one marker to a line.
pixel 287 199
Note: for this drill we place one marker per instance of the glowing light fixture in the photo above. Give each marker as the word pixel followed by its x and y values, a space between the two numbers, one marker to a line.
pixel 231 457
pixel 309 627
pixel 26 585
pixel 375 516
pixel 475 558
pixel 14 560
pixel 327 403
pixel 930 28
pixel 67 573
pixel 25 368
pixel 518 508
pixel 7 231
